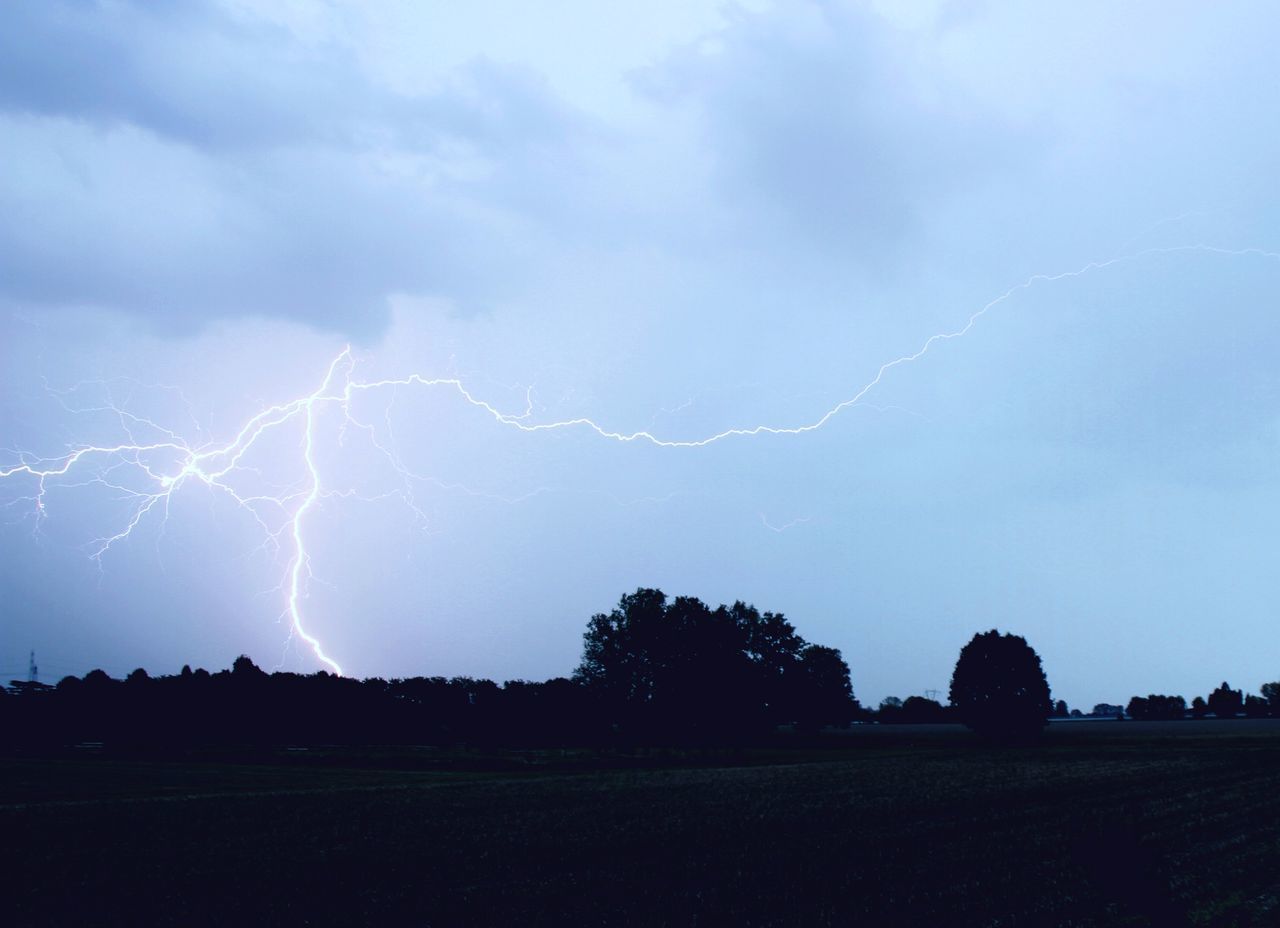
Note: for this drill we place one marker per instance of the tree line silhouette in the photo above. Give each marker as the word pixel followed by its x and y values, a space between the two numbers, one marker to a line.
pixel 653 670
pixel 1223 703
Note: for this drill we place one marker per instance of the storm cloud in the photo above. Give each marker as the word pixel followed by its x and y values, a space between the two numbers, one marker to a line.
pixel 679 220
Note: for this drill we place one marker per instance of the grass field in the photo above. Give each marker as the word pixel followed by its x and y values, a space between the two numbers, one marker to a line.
pixel 1160 824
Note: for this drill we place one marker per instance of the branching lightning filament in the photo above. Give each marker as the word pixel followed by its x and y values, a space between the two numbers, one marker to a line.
pixel 166 465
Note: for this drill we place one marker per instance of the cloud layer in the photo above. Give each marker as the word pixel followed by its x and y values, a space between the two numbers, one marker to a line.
pixel 684 221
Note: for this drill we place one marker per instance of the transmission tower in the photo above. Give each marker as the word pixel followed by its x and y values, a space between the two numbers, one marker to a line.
pixel 33 672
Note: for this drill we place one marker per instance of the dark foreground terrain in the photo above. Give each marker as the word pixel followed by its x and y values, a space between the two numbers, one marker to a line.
pixel 1105 823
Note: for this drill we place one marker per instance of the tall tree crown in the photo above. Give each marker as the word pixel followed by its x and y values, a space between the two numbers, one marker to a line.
pixel 999 686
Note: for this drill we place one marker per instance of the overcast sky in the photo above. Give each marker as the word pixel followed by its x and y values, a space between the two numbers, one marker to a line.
pixel 684 219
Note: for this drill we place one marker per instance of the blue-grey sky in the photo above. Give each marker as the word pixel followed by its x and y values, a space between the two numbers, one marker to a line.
pixel 680 219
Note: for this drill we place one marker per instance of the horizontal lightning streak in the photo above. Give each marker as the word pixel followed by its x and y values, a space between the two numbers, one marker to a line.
pixel 649 437
pixel 764 520
pixel 213 464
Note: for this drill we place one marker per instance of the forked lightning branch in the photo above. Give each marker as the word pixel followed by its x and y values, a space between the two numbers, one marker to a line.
pixel 157 470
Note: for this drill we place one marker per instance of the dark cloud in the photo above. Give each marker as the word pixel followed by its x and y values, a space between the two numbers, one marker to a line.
pixel 194 74
pixel 183 164
pixel 185 71
pixel 790 202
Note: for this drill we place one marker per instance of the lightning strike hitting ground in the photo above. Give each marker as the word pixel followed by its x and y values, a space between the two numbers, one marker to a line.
pixel 166 465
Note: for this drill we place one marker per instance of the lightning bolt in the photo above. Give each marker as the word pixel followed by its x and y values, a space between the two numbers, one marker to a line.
pixel 764 520
pixel 212 466
pixel 169 463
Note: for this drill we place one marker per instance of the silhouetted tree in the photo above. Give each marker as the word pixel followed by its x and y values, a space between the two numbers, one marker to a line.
pixel 653 666
pixel 1224 702
pixel 98 678
pixel 999 687
pixel 825 695
pixel 1060 709
pixel 244 668
pixel 1255 707
pixel 890 711
pixel 919 710
pixel 621 650
pixel 1155 708
pixel 1271 693
pixel 774 649
pixel 666 669
pixel 1198 707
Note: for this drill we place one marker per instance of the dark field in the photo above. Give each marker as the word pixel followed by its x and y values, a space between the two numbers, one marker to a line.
pixel 1105 823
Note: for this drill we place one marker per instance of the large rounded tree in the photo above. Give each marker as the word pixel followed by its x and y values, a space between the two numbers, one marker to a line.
pixel 681 669
pixel 999 687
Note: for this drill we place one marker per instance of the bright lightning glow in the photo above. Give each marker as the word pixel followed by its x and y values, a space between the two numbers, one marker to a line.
pixel 169 464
